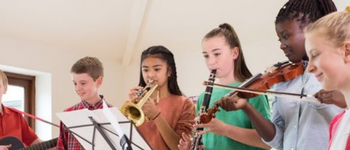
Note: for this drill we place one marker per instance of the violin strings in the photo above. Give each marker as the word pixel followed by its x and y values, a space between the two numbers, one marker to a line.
pixel 302 97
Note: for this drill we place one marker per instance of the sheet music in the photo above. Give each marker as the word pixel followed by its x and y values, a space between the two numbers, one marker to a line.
pixel 112 119
pixel 78 122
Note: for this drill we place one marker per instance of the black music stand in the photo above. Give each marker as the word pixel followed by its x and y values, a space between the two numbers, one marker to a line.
pixel 84 123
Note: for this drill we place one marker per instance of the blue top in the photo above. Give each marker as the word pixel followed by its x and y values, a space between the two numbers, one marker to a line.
pixel 301 125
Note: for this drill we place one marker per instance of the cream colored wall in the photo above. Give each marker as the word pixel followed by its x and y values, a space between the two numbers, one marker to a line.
pixel 23 56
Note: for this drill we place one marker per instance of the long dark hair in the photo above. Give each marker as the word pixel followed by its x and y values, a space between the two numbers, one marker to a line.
pixel 241 71
pixel 164 54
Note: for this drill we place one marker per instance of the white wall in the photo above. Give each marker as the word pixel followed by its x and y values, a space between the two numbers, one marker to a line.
pixel 53 69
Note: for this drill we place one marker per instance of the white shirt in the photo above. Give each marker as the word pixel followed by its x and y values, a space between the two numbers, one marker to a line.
pixel 342 134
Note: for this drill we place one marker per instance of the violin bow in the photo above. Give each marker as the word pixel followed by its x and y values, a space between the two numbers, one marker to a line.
pixel 302 97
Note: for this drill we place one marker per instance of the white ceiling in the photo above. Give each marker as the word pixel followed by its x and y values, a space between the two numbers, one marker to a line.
pixel 122 28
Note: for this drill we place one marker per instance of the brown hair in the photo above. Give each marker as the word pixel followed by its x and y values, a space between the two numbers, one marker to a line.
pixel 241 71
pixel 89 65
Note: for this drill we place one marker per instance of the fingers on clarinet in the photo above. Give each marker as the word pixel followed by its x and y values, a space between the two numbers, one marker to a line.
pixel 201 132
pixel 185 137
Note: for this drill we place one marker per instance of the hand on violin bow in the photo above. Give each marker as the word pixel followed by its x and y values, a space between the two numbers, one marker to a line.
pixel 232 103
pixel 331 97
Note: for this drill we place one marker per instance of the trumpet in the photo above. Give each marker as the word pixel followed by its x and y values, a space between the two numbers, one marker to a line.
pixel 133 110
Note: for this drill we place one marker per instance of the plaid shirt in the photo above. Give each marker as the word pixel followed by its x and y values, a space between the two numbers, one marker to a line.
pixel 66 140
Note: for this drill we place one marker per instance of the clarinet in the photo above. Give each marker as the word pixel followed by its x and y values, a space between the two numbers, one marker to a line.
pixel 207 95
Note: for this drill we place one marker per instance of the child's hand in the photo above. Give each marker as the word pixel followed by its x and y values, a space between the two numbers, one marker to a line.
pixel 185 142
pixel 331 97
pixel 132 94
pixel 231 103
pixel 5 147
pixel 150 109
pixel 216 126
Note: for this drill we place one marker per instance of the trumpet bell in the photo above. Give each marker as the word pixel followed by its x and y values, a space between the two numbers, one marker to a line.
pixel 133 112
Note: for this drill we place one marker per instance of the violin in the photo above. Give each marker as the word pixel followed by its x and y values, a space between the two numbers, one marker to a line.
pixel 260 83
pixel 283 72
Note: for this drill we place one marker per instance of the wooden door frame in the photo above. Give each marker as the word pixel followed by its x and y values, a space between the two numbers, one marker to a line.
pixel 28 83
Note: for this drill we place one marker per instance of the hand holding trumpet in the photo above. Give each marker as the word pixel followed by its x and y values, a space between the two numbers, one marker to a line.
pixel 133 97
pixel 149 108
pixel 141 106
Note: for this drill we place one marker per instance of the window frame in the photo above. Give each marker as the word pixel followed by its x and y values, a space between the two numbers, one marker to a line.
pixel 28 83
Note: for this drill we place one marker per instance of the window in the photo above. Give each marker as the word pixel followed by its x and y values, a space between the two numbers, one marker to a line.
pixel 14 97
pixel 21 94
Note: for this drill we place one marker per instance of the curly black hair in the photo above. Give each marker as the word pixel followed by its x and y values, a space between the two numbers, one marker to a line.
pixel 311 10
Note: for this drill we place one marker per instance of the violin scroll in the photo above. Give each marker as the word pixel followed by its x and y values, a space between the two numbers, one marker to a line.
pixel 206 118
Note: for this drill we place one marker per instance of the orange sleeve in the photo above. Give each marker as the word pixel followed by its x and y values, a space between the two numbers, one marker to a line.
pixel 186 119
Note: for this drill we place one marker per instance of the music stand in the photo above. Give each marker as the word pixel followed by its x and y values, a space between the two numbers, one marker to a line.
pixel 94 131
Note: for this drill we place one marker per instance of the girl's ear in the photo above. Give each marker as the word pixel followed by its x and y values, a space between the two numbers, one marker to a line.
pixel 5 89
pixel 347 51
pixel 169 72
pixel 235 52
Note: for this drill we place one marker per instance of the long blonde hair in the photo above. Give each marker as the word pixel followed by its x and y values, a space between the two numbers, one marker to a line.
pixel 334 27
